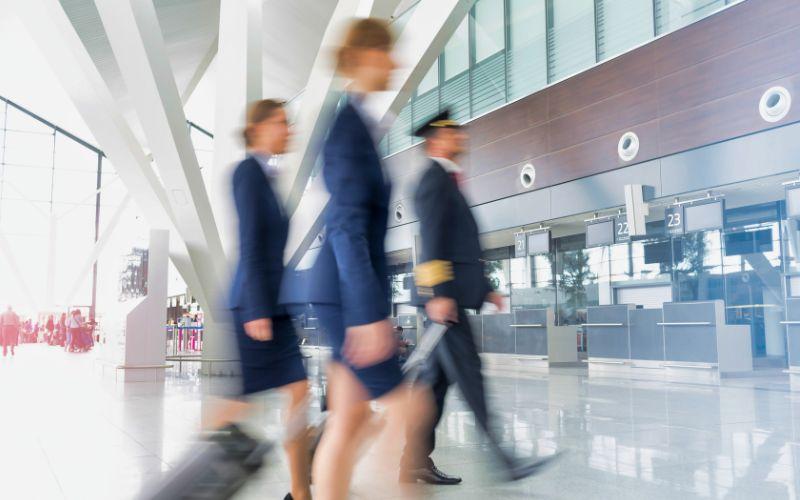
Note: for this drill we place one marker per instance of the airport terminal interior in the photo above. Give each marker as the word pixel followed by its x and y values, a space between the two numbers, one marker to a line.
pixel 633 167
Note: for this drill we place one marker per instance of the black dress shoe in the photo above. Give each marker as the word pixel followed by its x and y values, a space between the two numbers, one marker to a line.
pixel 520 469
pixel 430 474
pixel 288 497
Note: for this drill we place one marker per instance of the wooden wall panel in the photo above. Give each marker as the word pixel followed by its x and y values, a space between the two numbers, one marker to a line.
pixel 718 120
pixel 613 77
pixel 515 148
pixel 713 36
pixel 620 111
pixel 765 60
pixel 519 117
pixel 696 86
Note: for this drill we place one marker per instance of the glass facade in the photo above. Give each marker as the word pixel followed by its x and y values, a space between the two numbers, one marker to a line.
pixel 742 264
pixel 56 187
pixel 49 183
pixel 507 49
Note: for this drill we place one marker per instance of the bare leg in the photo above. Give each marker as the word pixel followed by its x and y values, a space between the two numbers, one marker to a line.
pixel 338 449
pixel 402 405
pixel 351 425
pixel 297 449
pixel 223 412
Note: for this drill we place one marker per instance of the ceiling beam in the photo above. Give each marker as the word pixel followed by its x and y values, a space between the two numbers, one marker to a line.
pixel 84 271
pixel 54 34
pixel 431 25
pixel 239 81
pixel 200 71
pixel 320 97
pixel 136 38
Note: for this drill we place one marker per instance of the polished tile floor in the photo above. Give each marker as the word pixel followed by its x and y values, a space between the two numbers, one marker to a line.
pixel 67 430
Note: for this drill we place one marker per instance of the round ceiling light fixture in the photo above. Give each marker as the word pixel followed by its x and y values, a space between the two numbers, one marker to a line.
pixel 775 104
pixel 628 146
pixel 527 176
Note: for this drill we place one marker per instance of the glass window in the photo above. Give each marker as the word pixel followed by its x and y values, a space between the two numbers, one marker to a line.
pixel 430 80
pixel 578 274
pixel 622 24
pixel 456 52
pixel 29 149
pixel 698 276
pixel 527 55
pixel 46 176
pixel 489 28
pixel 399 135
pixel 674 14
pixel 571 37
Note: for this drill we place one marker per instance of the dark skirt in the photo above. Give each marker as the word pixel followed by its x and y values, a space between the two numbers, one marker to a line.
pixel 271 364
pixel 378 379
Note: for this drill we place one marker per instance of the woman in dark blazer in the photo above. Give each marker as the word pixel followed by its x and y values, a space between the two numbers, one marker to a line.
pixel 349 281
pixel 268 345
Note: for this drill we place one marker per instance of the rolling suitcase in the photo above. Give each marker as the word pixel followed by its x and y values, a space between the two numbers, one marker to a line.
pixel 214 469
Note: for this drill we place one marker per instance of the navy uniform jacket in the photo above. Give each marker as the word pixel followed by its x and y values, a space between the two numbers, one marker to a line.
pixel 451 263
pixel 263 229
pixel 350 270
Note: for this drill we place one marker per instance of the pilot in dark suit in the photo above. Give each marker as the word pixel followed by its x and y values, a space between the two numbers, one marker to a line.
pixel 268 345
pixel 450 278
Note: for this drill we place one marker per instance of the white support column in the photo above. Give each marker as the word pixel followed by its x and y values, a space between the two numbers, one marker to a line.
pixel 431 25
pixel 320 96
pixel 53 32
pixel 239 82
pixel 52 245
pixel 138 44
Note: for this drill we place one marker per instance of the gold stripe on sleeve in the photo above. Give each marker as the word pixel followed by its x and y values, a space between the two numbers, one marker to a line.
pixel 432 273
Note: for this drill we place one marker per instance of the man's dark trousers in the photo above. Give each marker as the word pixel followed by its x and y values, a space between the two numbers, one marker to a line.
pixel 454 361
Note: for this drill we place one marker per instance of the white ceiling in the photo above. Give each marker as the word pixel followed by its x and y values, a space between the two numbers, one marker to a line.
pixel 293 30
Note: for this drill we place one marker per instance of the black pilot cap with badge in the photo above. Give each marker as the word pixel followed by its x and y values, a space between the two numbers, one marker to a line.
pixel 440 121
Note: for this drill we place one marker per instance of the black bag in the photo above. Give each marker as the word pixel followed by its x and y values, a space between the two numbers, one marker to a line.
pixel 214 469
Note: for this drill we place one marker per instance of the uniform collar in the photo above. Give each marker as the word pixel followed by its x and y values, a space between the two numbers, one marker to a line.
pixel 266 162
pixel 449 166
pixel 377 129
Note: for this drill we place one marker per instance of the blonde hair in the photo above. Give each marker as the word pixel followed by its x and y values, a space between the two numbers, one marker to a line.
pixel 368 33
pixel 257 112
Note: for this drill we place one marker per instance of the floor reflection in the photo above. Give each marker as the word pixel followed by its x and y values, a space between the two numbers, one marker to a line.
pixel 72 432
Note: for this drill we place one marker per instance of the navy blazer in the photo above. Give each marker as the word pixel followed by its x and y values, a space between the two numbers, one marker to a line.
pixel 350 270
pixel 451 249
pixel 263 229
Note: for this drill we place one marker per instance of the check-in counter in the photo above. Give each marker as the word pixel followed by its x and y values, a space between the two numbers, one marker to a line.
pixel 607 334
pixel 684 341
pixel 792 323
pixel 527 338
pixel 698 344
pixel 646 337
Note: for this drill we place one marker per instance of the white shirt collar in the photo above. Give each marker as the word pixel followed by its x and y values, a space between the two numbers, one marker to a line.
pixel 377 129
pixel 267 163
pixel 449 166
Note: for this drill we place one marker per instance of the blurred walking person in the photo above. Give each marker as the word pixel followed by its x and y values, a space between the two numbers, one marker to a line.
pixel 9 326
pixel 63 336
pixel 450 279
pixel 74 329
pixel 349 282
pixel 50 326
pixel 268 344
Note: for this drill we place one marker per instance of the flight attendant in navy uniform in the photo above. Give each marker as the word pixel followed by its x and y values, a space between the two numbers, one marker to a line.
pixel 268 345
pixel 349 283
pixel 450 279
